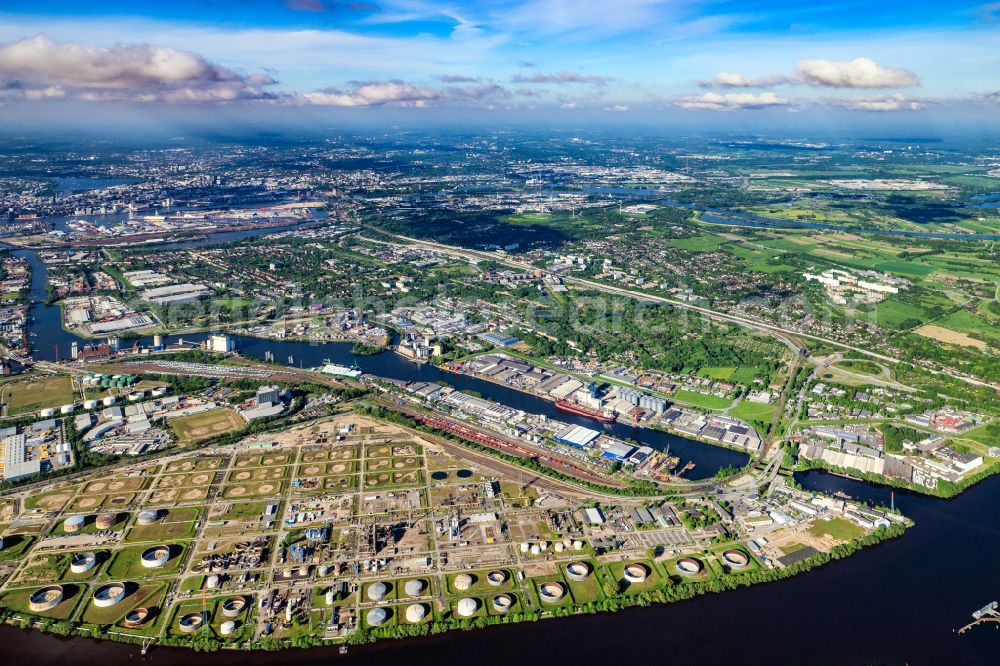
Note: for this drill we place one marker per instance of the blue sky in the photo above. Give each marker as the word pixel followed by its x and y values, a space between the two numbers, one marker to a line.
pixel 565 56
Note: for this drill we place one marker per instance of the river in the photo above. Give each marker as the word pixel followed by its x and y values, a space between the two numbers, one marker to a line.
pixel 896 603
pixel 893 604
pixel 47 334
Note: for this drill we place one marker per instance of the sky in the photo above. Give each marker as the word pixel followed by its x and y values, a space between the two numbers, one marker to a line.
pixel 547 59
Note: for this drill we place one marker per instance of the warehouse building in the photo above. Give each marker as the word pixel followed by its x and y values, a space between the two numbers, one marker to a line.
pixel 577 436
pixel 175 293
pixel 618 451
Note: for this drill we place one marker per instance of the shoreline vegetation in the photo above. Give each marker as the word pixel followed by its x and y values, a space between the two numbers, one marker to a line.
pixel 945 489
pixel 671 590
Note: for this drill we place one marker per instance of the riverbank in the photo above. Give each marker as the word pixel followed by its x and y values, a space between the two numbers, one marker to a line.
pixel 944 489
pixel 655 423
pixel 674 589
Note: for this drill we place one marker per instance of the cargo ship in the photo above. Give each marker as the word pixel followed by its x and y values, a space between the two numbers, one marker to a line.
pixel 580 410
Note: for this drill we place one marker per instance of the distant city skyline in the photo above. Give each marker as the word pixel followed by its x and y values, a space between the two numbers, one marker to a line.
pixel 556 58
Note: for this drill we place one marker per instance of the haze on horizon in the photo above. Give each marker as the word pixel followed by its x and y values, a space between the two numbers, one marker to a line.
pixel 687 63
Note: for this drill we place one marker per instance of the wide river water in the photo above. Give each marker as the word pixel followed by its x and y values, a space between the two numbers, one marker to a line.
pixel 897 603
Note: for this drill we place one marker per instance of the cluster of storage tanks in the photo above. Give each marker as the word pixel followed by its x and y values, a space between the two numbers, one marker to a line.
pixel 541 546
pixel 103 521
pixel 108 381
pixel 103 382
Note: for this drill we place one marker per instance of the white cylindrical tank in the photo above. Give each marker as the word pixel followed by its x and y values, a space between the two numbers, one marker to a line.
pixel 67 409
pixel 525 547
pixel 109 400
pixel 330 595
pixel 212 582
pixel 377 591
pixel 233 606
pixel 376 617
pixel 47 412
pixel 155 557
pixel 82 562
pixel 227 628
pixel 109 595
pixel 467 607
pixel 137 395
pixel 89 404
pixel 413 588
pixel 147 516
pixel 502 602
pixel 551 592
pixel 159 392
pixel 577 545
pixel 536 549
pixel 190 622
pixel 463 582
pixel 559 547
pixel 415 613
pixel 46 598
pixel 74 523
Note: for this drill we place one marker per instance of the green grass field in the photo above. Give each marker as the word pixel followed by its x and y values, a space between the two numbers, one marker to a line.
pixel 127 563
pixel 860 366
pixel 904 268
pixel 892 314
pixel 740 375
pixel 838 528
pixel 30 395
pixel 752 411
pixel 701 399
pixel 700 243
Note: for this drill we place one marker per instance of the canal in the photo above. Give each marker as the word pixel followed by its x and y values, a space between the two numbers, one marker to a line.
pixel 48 338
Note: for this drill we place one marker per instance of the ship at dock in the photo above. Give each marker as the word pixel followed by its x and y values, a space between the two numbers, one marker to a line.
pixel 580 410
pixel 340 370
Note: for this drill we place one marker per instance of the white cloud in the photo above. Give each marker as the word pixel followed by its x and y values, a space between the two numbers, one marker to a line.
pixel 43 69
pixel 736 80
pixel 403 94
pixel 52 92
pixel 897 102
pixel 857 73
pixel 731 101
pixel 617 108
pixel 375 93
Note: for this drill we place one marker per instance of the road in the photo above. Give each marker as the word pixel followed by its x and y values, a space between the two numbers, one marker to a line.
pixel 771 329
